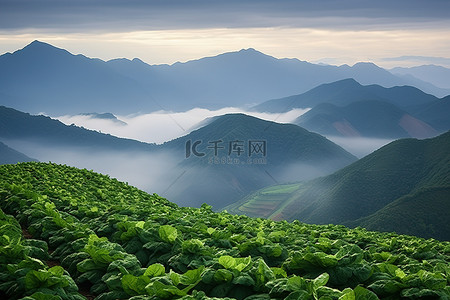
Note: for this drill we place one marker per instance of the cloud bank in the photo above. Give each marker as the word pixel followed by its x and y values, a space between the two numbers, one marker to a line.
pixel 359 146
pixel 162 126
pixel 109 15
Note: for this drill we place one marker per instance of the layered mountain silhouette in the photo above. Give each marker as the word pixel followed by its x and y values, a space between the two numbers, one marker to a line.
pixel 366 118
pixel 346 91
pixel 251 154
pixel 437 75
pixel 402 187
pixel 11 156
pixel 435 113
pixel 19 126
pixel 43 78
pixel 347 108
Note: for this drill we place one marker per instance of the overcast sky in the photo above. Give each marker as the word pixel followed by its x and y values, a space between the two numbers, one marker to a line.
pixel 166 31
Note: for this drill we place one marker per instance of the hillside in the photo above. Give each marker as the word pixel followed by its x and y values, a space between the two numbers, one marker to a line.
pixel 75 234
pixel 427 207
pixel 251 153
pixel 290 153
pixel 436 75
pixel 19 126
pixel 377 184
pixel 365 118
pixel 11 156
pixel 435 113
pixel 346 91
pixel 43 78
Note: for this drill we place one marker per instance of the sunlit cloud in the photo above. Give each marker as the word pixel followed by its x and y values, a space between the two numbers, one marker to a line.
pixel 310 44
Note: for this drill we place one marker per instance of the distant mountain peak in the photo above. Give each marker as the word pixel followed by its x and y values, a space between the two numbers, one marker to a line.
pixel 368 67
pixel 137 60
pixel 246 53
pixel 347 80
pixel 365 63
pixel 232 119
pixel 100 115
pixel 343 83
pixel 249 50
pixel 38 48
pixel 236 116
pixel 38 44
pixel 104 116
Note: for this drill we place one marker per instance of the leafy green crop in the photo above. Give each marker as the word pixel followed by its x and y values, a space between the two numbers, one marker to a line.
pixel 23 273
pixel 122 243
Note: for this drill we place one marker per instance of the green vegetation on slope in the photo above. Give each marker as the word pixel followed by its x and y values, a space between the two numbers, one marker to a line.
pixel 23 270
pixel 267 202
pixel 121 243
pixel 424 213
pixel 219 180
pixel 402 168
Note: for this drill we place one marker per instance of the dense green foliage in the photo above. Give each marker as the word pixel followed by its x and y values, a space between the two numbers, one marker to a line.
pixel 123 243
pixel 23 270
pixel 406 179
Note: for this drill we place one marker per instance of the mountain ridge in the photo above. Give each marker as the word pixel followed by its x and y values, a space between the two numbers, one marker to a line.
pixel 364 118
pixel 289 148
pixel 58 82
pixel 346 91
pixel 437 75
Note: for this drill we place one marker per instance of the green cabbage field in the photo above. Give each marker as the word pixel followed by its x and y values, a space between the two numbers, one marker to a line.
pixel 67 233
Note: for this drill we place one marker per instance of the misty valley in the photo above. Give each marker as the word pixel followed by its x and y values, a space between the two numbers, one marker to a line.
pixel 272 179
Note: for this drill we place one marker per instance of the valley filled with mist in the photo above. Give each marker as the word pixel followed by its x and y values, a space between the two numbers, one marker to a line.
pixel 199 141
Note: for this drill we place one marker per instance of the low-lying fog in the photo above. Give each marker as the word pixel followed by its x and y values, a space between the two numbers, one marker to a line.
pixel 162 126
pixel 158 172
pixel 152 172
pixel 359 146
